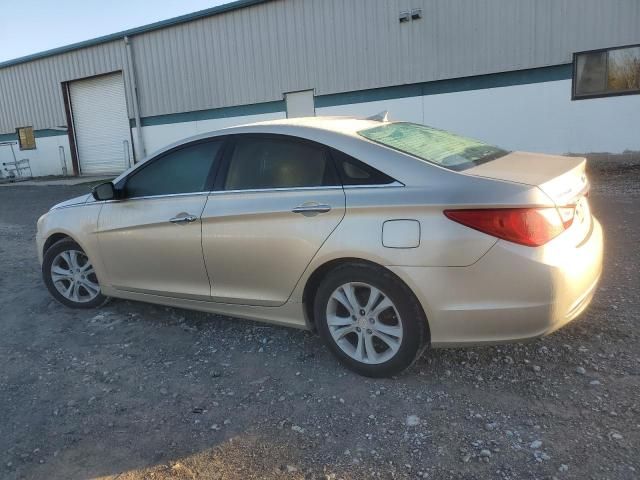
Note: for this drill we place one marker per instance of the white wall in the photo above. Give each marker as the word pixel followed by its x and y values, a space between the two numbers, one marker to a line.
pixel 45 159
pixel 539 117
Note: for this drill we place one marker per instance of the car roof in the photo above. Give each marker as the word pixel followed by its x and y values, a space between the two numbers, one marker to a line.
pixel 342 125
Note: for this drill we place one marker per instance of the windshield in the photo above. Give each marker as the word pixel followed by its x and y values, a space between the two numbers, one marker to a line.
pixel 440 147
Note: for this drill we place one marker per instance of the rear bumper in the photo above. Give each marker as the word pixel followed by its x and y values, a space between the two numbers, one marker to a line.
pixel 512 293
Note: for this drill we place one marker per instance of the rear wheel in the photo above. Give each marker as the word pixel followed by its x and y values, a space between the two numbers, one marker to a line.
pixel 70 277
pixel 370 320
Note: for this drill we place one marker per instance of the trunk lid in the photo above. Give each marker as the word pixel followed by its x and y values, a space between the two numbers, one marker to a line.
pixel 562 178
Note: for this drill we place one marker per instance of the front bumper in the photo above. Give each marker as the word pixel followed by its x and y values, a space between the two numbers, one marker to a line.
pixel 512 293
pixel 40 238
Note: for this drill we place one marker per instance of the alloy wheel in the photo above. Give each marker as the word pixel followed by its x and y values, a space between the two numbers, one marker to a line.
pixel 364 323
pixel 74 277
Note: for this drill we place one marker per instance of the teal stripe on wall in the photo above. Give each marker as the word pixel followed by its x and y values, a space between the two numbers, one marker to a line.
pixel 46 132
pixel 506 79
pixel 7 137
pixel 226 112
pixel 49 133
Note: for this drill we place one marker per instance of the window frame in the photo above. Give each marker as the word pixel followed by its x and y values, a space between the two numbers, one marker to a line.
pixel 574 75
pixel 334 152
pixel 33 134
pixel 121 186
pixel 223 171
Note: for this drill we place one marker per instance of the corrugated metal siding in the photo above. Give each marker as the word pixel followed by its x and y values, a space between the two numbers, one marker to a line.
pixel 258 53
pixel 31 93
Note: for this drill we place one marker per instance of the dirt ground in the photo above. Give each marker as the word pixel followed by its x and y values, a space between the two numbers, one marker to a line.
pixel 137 391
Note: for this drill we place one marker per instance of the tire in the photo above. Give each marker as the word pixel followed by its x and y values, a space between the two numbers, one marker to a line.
pixel 391 334
pixel 66 268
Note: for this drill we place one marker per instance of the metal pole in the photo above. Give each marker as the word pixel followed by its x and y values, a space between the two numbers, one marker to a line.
pixel 127 156
pixel 13 152
pixel 141 150
pixel 63 160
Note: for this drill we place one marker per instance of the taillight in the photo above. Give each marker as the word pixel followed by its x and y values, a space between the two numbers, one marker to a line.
pixel 566 215
pixel 532 227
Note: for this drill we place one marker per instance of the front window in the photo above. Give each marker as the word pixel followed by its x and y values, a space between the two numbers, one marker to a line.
pixel 183 170
pixel 600 73
pixel 439 147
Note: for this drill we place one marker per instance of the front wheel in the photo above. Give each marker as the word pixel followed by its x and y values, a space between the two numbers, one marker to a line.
pixel 370 320
pixel 70 276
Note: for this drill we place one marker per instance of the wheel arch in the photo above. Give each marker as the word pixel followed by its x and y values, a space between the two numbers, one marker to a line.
pixel 56 236
pixel 53 238
pixel 314 280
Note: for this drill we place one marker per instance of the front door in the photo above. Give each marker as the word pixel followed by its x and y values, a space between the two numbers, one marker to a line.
pixel 151 239
pixel 277 200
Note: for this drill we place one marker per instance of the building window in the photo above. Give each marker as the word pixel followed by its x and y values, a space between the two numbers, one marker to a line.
pixel 599 73
pixel 26 139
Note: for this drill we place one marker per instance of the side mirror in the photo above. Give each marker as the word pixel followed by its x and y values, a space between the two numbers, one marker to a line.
pixel 104 191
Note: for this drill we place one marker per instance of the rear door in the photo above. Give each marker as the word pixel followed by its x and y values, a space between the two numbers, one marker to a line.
pixel 277 199
pixel 151 239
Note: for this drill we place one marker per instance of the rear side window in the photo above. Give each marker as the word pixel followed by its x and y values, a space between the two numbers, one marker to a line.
pixel 267 162
pixel 184 170
pixel 355 172
pixel 439 147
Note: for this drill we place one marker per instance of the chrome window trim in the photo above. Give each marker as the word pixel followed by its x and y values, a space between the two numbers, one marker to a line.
pixel 152 197
pixel 280 189
pixel 289 189
pixel 395 183
pixel 253 190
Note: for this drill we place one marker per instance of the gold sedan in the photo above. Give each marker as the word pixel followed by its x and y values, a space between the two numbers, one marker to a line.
pixel 385 237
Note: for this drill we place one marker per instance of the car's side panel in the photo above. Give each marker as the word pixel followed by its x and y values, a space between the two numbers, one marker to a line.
pixel 78 222
pixel 145 252
pixel 531 292
pixel 443 243
pixel 290 314
pixel 256 248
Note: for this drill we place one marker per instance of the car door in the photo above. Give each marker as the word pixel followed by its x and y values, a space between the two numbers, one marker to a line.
pixel 276 200
pixel 151 238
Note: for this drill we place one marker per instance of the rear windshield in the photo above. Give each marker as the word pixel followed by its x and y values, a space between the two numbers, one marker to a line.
pixel 440 147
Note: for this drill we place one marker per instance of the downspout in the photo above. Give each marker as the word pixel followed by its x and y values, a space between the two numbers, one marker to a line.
pixel 141 151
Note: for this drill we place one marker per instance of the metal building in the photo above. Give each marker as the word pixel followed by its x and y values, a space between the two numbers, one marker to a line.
pixel 540 75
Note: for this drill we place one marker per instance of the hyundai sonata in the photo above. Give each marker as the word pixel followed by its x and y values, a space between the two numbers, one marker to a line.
pixel 384 237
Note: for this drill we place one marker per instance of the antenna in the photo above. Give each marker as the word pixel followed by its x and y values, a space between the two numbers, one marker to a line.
pixel 380 117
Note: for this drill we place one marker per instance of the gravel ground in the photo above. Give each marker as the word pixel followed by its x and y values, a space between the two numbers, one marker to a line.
pixel 138 391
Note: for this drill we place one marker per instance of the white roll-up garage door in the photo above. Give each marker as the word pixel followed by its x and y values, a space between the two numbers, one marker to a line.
pixel 101 124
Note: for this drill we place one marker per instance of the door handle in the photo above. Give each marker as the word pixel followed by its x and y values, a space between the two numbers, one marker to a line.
pixel 184 220
pixel 312 208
